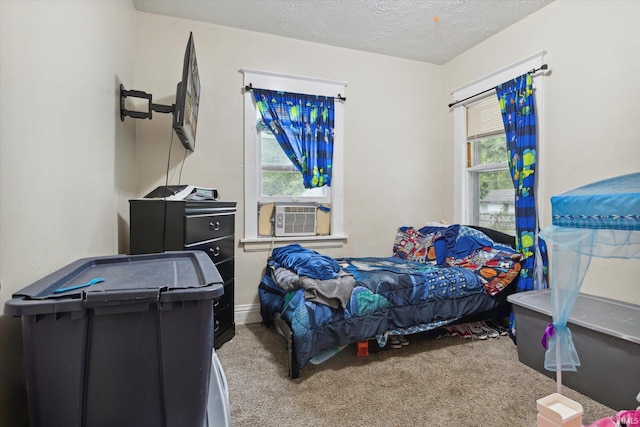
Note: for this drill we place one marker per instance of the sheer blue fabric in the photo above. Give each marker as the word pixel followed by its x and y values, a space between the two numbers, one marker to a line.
pixel 303 125
pixel 601 219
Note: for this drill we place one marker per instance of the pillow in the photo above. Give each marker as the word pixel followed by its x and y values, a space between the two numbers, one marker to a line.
pixel 412 245
pixel 495 267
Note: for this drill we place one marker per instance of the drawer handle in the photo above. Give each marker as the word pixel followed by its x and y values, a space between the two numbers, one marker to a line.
pixel 214 226
pixel 217 326
pixel 215 251
pixel 216 302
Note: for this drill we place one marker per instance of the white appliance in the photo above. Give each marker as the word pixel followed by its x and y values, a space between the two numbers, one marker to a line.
pixel 295 220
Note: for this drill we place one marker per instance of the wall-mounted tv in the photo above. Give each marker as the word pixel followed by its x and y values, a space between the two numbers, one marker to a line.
pixel 185 109
pixel 185 117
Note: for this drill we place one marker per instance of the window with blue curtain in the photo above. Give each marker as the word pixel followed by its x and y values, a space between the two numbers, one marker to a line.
pixel 303 125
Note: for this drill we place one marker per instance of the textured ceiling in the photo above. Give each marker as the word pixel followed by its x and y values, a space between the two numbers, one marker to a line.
pixel 433 31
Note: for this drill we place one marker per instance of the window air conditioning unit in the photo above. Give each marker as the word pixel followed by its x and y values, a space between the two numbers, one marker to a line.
pixel 295 220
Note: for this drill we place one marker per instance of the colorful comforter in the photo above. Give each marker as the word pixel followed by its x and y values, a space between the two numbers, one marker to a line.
pixel 398 294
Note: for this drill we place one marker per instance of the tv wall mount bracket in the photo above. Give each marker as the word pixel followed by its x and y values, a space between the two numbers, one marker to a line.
pixel 158 108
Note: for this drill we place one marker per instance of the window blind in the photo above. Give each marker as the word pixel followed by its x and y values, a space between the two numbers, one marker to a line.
pixel 484 118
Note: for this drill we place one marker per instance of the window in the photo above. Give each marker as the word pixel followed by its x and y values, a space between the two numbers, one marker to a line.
pixel 270 179
pixel 279 180
pixel 491 194
pixel 483 190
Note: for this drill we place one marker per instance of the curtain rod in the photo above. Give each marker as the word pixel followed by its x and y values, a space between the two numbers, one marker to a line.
pixel 535 70
pixel 249 88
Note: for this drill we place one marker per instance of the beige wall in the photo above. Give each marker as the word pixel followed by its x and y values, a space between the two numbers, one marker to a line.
pixel 591 105
pixel 393 121
pixel 66 161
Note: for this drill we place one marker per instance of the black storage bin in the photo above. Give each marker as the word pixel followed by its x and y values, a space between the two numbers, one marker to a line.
pixel 132 350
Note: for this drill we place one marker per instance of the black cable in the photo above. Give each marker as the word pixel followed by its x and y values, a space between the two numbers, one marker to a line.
pixel 182 166
pixel 164 199
pixel 166 181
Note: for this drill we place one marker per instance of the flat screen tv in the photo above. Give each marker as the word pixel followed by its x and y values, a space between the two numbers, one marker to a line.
pixel 185 117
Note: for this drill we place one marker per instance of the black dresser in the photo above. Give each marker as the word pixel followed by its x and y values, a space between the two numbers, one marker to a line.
pixel 209 225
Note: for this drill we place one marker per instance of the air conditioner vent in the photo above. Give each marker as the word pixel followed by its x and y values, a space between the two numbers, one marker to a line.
pixel 295 220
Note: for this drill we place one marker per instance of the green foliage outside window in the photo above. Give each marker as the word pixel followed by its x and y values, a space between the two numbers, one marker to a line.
pixel 279 176
pixel 493 150
pixel 282 183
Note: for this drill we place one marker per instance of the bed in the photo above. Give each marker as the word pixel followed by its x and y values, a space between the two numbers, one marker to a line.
pixel 437 275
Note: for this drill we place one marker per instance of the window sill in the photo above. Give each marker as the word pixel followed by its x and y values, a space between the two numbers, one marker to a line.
pixel 263 244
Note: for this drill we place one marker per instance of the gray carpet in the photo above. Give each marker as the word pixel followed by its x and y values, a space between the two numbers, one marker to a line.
pixel 431 382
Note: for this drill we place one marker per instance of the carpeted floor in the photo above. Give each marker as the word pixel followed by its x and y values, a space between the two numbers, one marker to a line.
pixel 431 382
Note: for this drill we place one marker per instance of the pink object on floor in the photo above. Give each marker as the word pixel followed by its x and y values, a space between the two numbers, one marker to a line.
pixel 623 418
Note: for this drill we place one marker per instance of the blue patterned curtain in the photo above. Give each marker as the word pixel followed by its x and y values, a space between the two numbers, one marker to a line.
pixel 303 126
pixel 519 119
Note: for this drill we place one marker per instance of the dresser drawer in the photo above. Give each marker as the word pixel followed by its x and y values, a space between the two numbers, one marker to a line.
pixel 225 299
pixel 199 228
pixel 226 269
pixel 222 320
pixel 218 249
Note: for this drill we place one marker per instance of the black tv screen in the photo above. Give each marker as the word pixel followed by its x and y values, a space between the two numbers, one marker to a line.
pixel 185 119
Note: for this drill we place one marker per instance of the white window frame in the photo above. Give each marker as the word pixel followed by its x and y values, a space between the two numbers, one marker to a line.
pixel 487 124
pixel 462 212
pixel 289 83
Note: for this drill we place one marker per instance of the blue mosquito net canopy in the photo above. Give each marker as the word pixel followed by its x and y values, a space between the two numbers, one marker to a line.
pixel 601 219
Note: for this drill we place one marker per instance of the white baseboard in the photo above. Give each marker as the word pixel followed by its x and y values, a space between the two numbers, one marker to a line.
pixel 247 313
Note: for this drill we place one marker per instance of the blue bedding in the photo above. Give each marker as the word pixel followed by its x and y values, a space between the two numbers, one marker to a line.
pixel 387 295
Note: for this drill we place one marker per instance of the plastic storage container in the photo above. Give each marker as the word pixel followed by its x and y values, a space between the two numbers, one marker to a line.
pixel 218 409
pixel 557 410
pixel 606 334
pixel 133 349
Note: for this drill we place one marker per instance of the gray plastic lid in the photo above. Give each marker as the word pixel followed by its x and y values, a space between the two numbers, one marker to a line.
pixel 164 277
pixel 611 317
